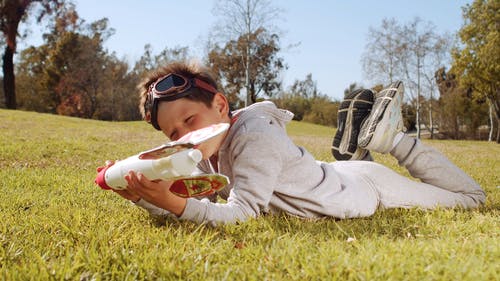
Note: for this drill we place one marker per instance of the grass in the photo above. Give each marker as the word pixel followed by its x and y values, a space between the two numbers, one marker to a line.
pixel 56 224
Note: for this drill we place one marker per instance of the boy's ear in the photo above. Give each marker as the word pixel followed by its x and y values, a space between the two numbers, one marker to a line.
pixel 221 104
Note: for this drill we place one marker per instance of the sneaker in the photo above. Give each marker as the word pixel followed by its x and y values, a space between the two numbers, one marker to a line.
pixel 385 120
pixel 352 111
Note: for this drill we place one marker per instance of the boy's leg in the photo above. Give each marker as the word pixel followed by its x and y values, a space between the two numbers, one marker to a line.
pixel 433 168
pixel 443 182
pixel 370 184
pixel 355 107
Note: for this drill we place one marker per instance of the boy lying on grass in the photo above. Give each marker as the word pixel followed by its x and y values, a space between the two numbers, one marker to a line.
pixel 268 173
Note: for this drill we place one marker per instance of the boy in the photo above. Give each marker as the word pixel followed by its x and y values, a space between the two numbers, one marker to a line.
pixel 268 173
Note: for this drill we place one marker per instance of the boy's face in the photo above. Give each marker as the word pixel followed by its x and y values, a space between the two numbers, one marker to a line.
pixel 179 117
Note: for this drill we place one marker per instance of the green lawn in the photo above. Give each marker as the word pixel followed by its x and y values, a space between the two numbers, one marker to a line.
pixel 56 224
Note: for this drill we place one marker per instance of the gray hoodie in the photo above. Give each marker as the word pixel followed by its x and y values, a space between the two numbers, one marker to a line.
pixel 268 172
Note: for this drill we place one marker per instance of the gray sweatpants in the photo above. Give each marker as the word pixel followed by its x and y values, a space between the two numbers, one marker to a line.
pixel 442 184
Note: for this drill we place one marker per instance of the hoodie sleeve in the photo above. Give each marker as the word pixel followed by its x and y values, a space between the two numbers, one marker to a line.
pixel 255 156
pixel 152 209
pixel 158 213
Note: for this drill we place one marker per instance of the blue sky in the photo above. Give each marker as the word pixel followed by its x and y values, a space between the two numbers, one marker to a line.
pixel 332 34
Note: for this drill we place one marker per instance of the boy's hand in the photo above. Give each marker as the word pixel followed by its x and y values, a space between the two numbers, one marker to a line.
pixel 127 194
pixel 155 192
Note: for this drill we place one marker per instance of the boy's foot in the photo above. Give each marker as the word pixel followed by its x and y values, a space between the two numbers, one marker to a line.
pixel 352 111
pixel 385 120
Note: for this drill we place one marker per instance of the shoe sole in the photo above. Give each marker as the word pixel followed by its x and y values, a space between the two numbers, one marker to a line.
pixel 375 132
pixel 350 115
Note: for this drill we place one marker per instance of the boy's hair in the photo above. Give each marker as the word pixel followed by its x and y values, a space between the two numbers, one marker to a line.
pixel 188 70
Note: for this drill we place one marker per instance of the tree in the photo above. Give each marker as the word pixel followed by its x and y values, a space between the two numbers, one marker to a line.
pixel 76 77
pixel 264 70
pixel 149 62
pixel 411 53
pixel 382 52
pixel 306 88
pixel 76 71
pixel 460 114
pixel 72 74
pixel 35 93
pixel 12 12
pixel 240 21
pixel 32 91
pixel 477 62
pixel 118 99
pixel 423 52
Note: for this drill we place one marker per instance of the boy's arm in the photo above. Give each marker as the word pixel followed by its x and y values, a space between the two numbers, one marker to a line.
pixel 256 165
pixel 152 209
pixel 155 192
pixel 159 212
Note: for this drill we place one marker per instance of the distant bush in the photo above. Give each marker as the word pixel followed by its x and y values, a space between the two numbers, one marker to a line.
pixel 319 110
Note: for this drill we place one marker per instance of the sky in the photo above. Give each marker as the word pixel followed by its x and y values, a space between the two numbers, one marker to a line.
pixel 329 35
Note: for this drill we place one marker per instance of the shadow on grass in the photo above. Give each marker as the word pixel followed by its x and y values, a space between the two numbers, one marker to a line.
pixel 391 224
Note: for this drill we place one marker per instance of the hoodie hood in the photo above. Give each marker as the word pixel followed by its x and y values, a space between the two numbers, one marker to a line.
pixel 261 110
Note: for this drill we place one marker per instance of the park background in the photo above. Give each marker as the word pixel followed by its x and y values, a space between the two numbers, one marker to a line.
pixel 71 89
pixel 85 58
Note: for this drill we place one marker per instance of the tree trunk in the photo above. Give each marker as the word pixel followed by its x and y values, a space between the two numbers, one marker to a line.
pixel 248 98
pixel 418 97
pixel 495 128
pixel 498 131
pixel 492 125
pixel 417 117
pixel 431 123
pixel 9 82
pixel 495 104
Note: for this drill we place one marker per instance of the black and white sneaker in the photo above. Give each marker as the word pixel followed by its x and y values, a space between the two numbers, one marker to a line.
pixel 355 107
pixel 385 120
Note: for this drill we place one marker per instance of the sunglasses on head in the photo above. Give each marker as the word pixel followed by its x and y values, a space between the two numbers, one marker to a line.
pixel 171 87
